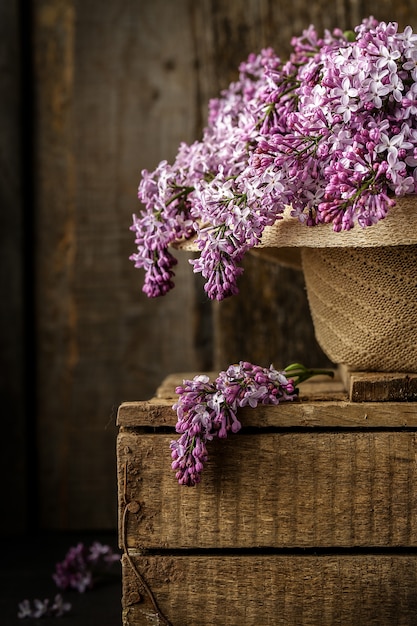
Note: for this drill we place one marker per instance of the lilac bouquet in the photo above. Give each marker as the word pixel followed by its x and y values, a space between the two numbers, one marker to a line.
pixel 332 133
pixel 206 409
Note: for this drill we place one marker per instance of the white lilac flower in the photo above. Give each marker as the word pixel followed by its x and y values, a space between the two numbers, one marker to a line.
pixel 392 146
pixel 344 92
pixel 24 609
pixel 408 38
pixel 388 58
pixel 102 552
pixel 376 87
pixel 253 395
pixel 411 63
pixel 347 109
pixel 59 607
pixel 41 608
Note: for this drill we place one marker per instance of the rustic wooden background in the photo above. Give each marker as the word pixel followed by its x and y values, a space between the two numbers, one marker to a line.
pixel 92 92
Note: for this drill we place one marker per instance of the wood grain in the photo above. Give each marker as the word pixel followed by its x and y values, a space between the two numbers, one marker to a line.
pixel 308 518
pixel 331 414
pixel 379 386
pixel 286 489
pixel 340 590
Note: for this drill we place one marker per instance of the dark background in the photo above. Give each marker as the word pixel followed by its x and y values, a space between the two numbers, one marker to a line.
pixel 91 93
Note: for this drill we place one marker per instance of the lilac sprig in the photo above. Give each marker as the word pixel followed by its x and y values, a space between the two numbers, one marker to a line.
pixel 43 608
pixel 81 566
pixel 206 409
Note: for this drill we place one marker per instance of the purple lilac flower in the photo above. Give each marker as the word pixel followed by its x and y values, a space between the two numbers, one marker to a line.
pixel 77 570
pixel 74 572
pixel 332 132
pixel 169 193
pixel 208 409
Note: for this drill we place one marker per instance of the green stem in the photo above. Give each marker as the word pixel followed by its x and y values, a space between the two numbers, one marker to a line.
pixel 300 373
pixel 184 191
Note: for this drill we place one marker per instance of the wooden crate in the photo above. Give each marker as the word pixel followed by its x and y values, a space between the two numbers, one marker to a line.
pixel 308 516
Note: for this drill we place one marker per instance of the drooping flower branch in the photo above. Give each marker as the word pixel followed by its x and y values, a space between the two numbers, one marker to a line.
pixel 332 132
pixel 206 409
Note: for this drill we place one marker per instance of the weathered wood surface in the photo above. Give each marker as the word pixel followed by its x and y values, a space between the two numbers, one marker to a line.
pixel 379 386
pixel 330 414
pixel 292 524
pixel 280 489
pixel 268 590
pixel 322 402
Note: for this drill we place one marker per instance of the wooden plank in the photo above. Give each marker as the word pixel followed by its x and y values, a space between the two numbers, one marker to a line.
pixel 304 489
pixel 361 590
pixel 379 386
pixel 322 403
pixel 337 414
pixel 115 92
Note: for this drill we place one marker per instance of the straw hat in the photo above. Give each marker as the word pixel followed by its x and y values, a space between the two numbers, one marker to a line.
pixel 361 285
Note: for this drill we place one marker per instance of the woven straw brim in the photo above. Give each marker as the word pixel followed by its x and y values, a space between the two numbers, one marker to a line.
pixel 398 228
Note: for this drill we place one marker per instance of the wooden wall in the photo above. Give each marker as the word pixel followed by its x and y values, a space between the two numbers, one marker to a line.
pixel 117 85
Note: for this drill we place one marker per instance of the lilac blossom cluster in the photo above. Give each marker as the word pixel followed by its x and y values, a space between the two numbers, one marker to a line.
pixel 43 608
pixel 80 564
pixel 331 132
pixel 206 409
